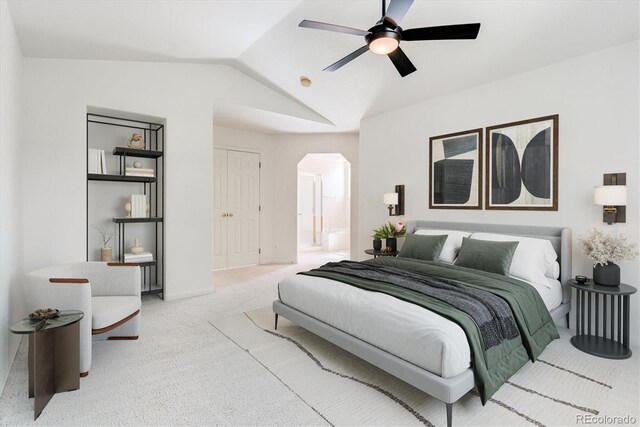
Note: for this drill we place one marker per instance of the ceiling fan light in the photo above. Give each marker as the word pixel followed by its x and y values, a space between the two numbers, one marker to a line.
pixel 384 45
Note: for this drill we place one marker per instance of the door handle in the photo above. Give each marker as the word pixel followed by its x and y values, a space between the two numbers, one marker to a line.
pixel 229 214
pixel 224 215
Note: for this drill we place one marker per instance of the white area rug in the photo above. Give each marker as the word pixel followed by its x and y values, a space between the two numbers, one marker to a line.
pixel 562 386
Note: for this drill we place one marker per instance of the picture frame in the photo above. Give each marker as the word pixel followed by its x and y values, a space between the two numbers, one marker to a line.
pixel 455 170
pixel 522 165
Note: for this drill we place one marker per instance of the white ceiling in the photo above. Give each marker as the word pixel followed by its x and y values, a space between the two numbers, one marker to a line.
pixel 262 39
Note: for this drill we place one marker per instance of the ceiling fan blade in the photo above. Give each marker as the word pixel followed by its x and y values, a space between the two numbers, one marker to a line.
pixel 402 62
pixel 331 27
pixel 347 59
pixel 398 9
pixel 445 32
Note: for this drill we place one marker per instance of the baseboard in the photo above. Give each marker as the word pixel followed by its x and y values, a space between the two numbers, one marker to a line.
pixel 188 294
pixel 14 343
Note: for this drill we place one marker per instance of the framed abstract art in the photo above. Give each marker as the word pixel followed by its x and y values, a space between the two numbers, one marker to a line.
pixel 522 165
pixel 455 170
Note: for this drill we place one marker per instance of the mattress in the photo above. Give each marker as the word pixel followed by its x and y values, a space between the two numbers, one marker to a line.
pixel 405 330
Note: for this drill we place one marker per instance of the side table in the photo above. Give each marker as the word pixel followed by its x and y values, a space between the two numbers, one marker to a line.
pixel 54 355
pixel 604 345
pixel 376 254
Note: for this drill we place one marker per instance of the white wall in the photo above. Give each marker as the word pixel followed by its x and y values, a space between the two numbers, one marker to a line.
pixel 11 301
pixel 596 96
pixel 280 155
pixel 56 96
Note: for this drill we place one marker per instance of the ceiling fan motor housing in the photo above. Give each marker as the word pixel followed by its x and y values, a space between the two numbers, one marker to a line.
pixel 391 39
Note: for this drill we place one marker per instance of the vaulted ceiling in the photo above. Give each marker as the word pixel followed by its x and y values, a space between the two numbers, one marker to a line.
pixel 262 39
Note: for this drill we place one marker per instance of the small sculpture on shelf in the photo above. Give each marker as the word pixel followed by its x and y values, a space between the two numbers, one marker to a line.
pixel 136 141
pixel 127 209
pixel 136 248
pixel 137 164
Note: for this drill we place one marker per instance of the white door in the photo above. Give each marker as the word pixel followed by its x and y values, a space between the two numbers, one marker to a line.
pixel 220 225
pixel 243 208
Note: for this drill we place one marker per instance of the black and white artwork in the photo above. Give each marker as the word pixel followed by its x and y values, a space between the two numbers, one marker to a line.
pixel 455 171
pixel 522 165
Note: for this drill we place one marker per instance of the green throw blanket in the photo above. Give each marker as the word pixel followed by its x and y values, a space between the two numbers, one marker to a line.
pixel 492 365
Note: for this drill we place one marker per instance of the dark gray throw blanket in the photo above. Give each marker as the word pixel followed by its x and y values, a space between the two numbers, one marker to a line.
pixel 491 313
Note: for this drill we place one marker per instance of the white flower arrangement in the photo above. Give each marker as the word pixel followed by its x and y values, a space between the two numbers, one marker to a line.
pixel 604 248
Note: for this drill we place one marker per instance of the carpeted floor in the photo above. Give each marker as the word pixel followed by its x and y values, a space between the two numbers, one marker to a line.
pixel 564 385
pixel 210 361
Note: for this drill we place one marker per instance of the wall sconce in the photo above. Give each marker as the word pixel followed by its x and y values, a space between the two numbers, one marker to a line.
pixel 613 197
pixel 391 200
pixel 395 201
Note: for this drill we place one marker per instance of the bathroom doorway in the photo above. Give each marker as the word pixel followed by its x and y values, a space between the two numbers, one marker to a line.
pixel 324 207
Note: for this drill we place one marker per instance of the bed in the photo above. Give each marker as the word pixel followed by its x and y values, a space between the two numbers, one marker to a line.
pixel 410 342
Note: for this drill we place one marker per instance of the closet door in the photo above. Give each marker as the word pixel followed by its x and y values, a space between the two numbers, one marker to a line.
pixel 243 208
pixel 220 224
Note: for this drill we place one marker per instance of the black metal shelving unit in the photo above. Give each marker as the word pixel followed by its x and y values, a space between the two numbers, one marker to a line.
pixel 153 134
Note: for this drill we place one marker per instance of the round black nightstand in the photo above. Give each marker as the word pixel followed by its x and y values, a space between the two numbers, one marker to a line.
pixel 613 343
pixel 376 254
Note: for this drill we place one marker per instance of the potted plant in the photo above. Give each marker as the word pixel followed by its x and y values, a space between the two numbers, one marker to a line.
pixel 106 253
pixel 377 239
pixel 391 232
pixel 606 250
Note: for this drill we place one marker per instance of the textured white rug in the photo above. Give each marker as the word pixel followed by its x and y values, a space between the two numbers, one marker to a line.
pixel 565 387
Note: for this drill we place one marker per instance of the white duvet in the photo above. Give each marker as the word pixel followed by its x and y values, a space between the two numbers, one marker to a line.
pixel 403 329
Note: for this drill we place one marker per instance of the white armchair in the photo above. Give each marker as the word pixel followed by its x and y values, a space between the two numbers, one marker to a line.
pixel 108 294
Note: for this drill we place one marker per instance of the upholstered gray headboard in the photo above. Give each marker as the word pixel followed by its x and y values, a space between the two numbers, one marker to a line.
pixel 559 237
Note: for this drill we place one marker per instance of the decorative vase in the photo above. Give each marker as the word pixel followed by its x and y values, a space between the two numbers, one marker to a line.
pixel 136 248
pixel 377 245
pixel 392 244
pixel 137 164
pixel 606 275
pixel 106 254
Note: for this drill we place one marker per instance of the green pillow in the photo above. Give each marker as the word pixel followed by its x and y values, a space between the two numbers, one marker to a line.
pixel 494 257
pixel 422 247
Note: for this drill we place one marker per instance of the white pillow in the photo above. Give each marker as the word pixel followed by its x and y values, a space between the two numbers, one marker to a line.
pixel 532 258
pixel 451 245
pixel 553 272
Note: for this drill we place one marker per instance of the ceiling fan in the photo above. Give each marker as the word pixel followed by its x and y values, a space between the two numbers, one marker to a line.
pixel 385 36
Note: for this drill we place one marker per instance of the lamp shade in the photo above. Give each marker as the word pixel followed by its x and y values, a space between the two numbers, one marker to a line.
pixel 390 198
pixel 610 195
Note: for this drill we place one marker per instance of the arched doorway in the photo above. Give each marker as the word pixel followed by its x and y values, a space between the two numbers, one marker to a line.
pixel 324 207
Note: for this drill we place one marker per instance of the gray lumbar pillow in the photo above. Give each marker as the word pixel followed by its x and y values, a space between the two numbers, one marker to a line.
pixel 494 257
pixel 426 248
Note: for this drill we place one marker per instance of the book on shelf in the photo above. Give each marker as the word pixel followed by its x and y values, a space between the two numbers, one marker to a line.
pixel 103 162
pixel 139 172
pixel 142 257
pixel 138 206
pixel 150 175
pixel 96 161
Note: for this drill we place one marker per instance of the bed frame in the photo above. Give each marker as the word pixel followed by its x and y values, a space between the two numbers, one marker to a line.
pixel 447 390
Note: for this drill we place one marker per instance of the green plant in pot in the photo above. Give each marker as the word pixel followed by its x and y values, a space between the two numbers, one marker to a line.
pixel 607 250
pixel 390 232
pixel 377 239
